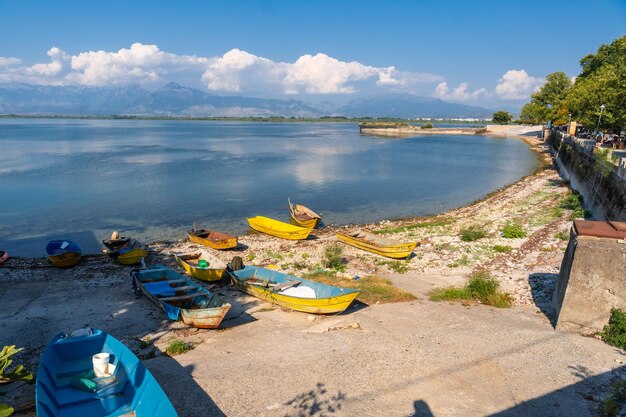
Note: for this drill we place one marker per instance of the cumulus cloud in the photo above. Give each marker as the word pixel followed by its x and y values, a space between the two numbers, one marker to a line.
pixel 517 85
pixel 460 93
pixel 9 62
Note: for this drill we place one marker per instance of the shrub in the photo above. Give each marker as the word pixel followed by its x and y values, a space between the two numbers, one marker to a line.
pixel 563 235
pixel 332 257
pixel 177 347
pixel 502 248
pixel 614 333
pixel 472 233
pixel 574 201
pixel 427 126
pixel 481 286
pixel 17 373
pixel 513 231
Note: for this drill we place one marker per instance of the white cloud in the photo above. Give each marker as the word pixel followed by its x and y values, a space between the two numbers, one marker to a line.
pixel 517 85
pixel 460 93
pixel 236 71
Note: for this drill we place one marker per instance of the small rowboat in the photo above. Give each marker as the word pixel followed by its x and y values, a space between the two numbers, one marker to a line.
pixel 125 250
pixel 65 365
pixel 4 255
pixel 179 296
pixel 381 246
pixel 213 272
pixel 213 239
pixel 303 216
pixel 63 253
pixel 278 228
pixel 292 292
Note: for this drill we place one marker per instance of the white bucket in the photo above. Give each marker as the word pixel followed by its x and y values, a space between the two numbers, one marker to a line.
pixel 100 364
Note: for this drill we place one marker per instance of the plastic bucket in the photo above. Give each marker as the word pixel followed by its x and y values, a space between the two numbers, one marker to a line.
pixel 100 364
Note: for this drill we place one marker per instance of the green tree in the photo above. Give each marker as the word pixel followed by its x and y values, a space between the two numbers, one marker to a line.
pixel 549 102
pixel 501 117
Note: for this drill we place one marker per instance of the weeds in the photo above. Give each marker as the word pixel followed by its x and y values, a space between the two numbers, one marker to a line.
pixel 481 286
pixel 502 248
pixel 372 289
pixel 463 261
pixel 613 403
pixel 574 201
pixel 420 225
pixel 614 333
pixel 332 257
pixel 177 347
pixel 251 256
pixel 399 267
pixel 472 233
pixel 513 231
pixel 274 255
pixel 563 235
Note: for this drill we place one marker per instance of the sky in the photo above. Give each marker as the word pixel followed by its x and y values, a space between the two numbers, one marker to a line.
pixel 488 53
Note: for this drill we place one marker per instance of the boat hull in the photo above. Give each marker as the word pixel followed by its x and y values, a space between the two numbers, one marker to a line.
pixel 126 251
pixel 209 309
pixel 395 251
pixel 203 274
pixel 65 260
pixel 278 229
pixel 63 253
pixel 309 224
pixel 4 255
pixel 133 391
pixel 215 240
pixel 331 304
pixel 303 216
pixel 132 257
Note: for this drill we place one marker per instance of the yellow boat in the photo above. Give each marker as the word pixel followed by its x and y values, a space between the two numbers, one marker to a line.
pixel 278 229
pixel 126 251
pixel 212 239
pixel 63 253
pixel 214 271
pixel 381 246
pixel 292 292
pixel 303 216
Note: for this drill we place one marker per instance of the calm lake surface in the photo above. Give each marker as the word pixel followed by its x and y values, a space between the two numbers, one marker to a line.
pixel 81 179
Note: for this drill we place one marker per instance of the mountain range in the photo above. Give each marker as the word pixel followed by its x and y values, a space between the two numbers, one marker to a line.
pixel 176 100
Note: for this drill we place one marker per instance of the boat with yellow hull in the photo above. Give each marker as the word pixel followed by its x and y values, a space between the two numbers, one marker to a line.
pixel 213 272
pixel 212 239
pixel 277 228
pixel 292 292
pixel 381 246
pixel 125 250
pixel 302 216
pixel 63 253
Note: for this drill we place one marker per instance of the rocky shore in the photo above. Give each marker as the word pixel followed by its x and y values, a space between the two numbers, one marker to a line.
pixel 402 130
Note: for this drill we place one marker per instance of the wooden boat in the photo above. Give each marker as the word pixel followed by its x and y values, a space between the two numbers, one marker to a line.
pixel 213 239
pixel 278 228
pixel 303 216
pixel 4 255
pixel 63 253
pixel 278 288
pixel 131 390
pixel 125 250
pixel 214 271
pixel 373 243
pixel 178 296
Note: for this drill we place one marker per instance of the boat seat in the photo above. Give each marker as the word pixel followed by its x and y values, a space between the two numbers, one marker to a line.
pixel 182 297
pixel 288 284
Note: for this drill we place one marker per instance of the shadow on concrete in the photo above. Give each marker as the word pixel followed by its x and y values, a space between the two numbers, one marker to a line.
pixel 542 287
pixel 317 402
pixel 36 246
pixel 421 409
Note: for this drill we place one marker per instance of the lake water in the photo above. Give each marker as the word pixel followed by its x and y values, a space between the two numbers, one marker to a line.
pixel 81 179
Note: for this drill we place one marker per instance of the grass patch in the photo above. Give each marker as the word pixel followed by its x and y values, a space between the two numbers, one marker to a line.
pixel 513 231
pixel 502 248
pixel 332 257
pixel 274 255
pixel 420 225
pixel 472 233
pixel 614 401
pixel 251 256
pixel 396 266
pixel 463 261
pixel 177 347
pixel 563 235
pixel 614 333
pixel 481 286
pixel 373 289
pixel 574 202
pixel 557 212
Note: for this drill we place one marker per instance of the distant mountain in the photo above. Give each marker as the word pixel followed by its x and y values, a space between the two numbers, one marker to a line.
pixel 176 100
pixel 169 100
pixel 408 106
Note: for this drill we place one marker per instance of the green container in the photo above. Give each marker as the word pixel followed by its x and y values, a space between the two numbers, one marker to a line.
pixel 203 264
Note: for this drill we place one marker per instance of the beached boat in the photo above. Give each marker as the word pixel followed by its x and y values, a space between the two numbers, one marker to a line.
pixel 4 255
pixel 125 250
pixel 373 243
pixel 213 239
pixel 63 253
pixel 65 380
pixel 292 292
pixel 303 216
pixel 278 228
pixel 179 296
pixel 192 264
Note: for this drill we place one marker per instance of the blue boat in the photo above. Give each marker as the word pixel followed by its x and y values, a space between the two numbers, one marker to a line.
pixel 180 297
pixel 131 391
pixel 63 253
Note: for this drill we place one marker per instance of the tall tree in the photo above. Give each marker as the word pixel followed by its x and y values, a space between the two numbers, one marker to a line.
pixel 548 104
pixel 502 117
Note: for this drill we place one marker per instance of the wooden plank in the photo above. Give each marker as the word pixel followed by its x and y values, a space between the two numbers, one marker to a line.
pixel 185 288
pixel 286 285
pixel 173 281
pixel 183 297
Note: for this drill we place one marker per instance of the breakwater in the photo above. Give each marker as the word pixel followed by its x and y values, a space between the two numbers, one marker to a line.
pixel 601 183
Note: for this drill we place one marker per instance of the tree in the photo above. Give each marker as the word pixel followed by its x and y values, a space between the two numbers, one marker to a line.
pixel 548 104
pixel 502 117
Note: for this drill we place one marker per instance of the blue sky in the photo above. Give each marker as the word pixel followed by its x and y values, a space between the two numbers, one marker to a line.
pixel 479 52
